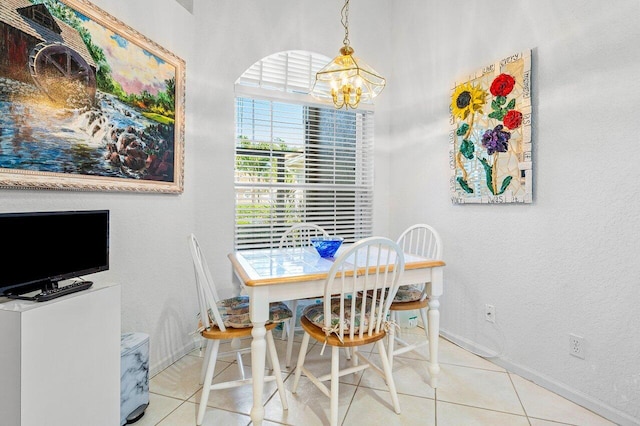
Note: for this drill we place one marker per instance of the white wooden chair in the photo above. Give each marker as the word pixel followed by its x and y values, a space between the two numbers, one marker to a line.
pixel 422 240
pixel 228 319
pixel 297 236
pixel 348 320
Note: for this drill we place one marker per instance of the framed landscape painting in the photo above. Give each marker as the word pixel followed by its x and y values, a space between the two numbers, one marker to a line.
pixel 490 136
pixel 86 102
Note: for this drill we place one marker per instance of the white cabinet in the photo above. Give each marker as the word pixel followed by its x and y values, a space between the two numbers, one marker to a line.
pixel 60 360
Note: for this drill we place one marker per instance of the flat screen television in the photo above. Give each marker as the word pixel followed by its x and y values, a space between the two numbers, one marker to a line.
pixel 38 249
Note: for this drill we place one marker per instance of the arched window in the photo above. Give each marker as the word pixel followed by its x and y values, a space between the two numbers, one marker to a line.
pixel 298 160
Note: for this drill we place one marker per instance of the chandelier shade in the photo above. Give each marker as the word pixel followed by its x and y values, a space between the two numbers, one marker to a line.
pixel 346 80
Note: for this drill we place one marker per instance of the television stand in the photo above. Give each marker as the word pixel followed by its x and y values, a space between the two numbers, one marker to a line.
pixel 56 291
pixel 61 360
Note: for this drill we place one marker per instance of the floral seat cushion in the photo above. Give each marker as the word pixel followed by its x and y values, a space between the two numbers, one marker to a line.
pixel 315 314
pixel 408 293
pixel 235 312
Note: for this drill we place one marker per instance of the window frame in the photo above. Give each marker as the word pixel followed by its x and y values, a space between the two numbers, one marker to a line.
pixel 361 216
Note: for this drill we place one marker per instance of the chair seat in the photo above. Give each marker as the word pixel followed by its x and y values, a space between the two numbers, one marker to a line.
pixel 333 340
pixel 408 293
pixel 315 314
pixel 409 306
pixel 235 312
pixel 231 333
pixel 312 322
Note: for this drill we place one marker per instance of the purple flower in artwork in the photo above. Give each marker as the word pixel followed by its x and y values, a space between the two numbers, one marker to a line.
pixel 496 140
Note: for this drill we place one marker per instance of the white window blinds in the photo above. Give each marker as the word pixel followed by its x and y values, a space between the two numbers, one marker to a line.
pixel 298 161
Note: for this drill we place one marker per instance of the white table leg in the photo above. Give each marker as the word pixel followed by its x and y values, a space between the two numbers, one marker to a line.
pixel 259 312
pixel 434 332
pixel 434 290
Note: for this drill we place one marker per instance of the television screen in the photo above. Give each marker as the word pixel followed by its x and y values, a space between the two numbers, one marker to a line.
pixel 39 249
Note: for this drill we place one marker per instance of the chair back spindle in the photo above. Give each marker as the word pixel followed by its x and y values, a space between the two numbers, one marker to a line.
pixel 207 294
pixel 366 269
pixel 300 234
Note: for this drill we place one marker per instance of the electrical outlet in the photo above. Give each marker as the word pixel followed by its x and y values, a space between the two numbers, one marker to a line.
pixel 490 313
pixel 576 346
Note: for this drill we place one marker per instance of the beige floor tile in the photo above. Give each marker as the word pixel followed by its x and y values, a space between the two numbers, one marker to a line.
pixel 472 391
pixel 457 415
pixel 543 404
pixel 321 364
pixel 478 388
pixel 376 404
pixel 411 377
pixel 238 399
pixel 538 422
pixel 450 353
pixel 185 415
pixel 412 336
pixel 182 378
pixel 308 406
pixel 160 406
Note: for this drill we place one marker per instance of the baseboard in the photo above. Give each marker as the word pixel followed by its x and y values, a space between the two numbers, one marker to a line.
pixel 171 358
pixel 548 383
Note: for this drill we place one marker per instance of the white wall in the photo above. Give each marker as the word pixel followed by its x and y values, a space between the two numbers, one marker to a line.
pixel 565 264
pixel 568 262
pixel 149 255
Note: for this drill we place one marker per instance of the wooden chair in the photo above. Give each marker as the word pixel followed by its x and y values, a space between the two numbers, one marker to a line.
pixel 349 320
pixel 297 236
pixel 228 319
pixel 421 240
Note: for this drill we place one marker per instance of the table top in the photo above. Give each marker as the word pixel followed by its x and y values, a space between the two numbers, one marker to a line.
pixel 276 266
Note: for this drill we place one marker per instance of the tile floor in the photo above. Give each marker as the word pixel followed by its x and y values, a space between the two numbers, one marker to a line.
pixel 472 391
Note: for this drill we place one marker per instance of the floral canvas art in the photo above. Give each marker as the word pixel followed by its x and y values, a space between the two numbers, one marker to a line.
pixel 490 137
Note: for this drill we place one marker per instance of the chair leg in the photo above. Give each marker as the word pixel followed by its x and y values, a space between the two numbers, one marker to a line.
pixel 271 346
pixel 269 362
pixel 288 328
pixel 386 367
pixel 301 357
pixel 392 337
pixel 396 320
pixel 352 355
pixel 208 379
pixel 205 360
pixel 335 383
pixel 240 365
pixel 291 330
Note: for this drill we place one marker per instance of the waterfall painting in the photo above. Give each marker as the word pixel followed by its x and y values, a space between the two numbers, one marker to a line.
pixel 490 136
pixel 86 102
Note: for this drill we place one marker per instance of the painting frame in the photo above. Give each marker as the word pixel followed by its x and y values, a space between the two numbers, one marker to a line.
pixel 171 177
pixel 490 145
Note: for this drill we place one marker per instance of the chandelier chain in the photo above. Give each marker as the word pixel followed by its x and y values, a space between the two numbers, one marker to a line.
pixel 345 22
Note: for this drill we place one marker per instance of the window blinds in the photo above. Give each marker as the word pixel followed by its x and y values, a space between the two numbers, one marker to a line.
pixel 299 162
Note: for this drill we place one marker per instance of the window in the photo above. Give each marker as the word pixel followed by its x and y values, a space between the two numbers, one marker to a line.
pixel 296 160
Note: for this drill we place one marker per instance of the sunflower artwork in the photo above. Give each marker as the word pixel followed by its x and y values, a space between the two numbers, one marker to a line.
pixel 490 137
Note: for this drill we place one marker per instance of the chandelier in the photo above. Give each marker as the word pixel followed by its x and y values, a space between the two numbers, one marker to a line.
pixel 347 80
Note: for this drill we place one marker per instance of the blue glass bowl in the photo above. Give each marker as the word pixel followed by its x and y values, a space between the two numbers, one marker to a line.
pixel 327 246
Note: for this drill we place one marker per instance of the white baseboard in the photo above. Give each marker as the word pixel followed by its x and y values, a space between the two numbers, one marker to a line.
pixel 170 359
pixel 548 383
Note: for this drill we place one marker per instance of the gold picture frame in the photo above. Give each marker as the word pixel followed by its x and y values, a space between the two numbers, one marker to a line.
pixel 86 102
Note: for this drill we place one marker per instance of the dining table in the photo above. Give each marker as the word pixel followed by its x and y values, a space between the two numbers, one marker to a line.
pixel 278 274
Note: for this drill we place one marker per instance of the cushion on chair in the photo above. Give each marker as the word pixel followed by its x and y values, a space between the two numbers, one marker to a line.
pixel 408 293
pixel 315 314
pixel 235 312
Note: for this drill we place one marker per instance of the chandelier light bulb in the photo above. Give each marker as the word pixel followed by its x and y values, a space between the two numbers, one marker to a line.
pixel 346 80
